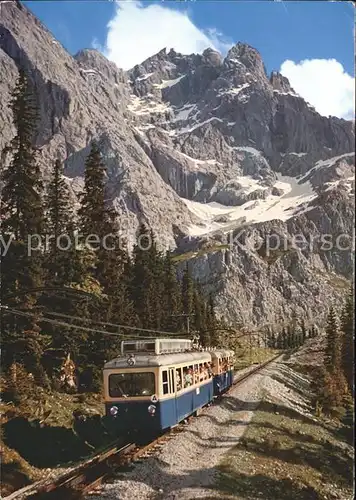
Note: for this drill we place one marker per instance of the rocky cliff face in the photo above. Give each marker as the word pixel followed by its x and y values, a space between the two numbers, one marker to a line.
pixel 215 155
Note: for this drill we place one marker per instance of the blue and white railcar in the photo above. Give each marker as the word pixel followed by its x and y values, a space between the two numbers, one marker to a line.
pixel 223 370
pixel 155 384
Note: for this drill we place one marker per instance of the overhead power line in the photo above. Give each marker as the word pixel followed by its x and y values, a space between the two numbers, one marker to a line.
pixel 126 327
pixel 77 327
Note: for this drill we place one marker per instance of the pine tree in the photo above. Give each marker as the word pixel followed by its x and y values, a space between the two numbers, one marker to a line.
pixel 272 340
pixel 294 321
pixel 303 332
pixel 171 296
pixel 58 204
pixel 348 347
pixel 22 220
pixel 21 194
pixel 59 222
pixel 279 341
pixel 284 339
pixel 297 336
pixel 98 219
pixel 290 337
pixel 89 348
pixel 313 332
pixel 332 356
pixel 114 274
pixel 300 338
pixel 200 316
pixel 93 213
pixel 156 291
pixel 143 278
pixel 212 325
pixel 187 293
pixel 328 389
pixel 70 340
pixel 68 266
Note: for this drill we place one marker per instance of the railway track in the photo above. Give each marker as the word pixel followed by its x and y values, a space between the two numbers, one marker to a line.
pixel 90 474
pixel 240 379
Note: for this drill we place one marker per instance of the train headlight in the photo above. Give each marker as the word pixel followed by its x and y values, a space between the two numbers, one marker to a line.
pixel 151 409
pixel 114 410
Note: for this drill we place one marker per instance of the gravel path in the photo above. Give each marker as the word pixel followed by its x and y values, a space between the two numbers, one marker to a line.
pixel 185 467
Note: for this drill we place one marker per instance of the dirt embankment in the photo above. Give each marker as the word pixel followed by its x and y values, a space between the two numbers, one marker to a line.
pixel 286 452
pixel 44 433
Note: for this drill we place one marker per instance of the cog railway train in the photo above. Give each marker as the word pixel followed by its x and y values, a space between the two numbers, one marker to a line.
pixel 157 383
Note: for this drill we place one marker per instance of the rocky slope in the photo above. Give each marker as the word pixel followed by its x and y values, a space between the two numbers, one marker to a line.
pixel 214 154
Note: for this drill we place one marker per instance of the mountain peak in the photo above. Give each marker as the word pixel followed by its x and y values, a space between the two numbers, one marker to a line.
pixel 212 57
pixel 95 60
pixel 280 82
pixel 247 55
pixel 198 147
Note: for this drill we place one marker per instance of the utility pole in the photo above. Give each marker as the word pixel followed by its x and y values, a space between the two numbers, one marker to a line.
pixel 250 338
pixel 184 315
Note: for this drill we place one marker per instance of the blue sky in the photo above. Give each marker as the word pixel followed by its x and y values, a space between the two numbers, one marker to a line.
pixel 280 31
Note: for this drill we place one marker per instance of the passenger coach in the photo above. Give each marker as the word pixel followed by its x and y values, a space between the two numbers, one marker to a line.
pixel 155 384
pixel 223 370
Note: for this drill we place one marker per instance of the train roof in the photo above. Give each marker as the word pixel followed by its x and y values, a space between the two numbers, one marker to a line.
pixel 222 353
pixel 156 346
pixel 146 360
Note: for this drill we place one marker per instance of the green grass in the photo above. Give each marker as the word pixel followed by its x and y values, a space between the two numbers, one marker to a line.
pixel 274 255
pixel 339 282
pixel 198 253
pixel 41 433
pixel 334 280
pixel 244 357
pixel 284 455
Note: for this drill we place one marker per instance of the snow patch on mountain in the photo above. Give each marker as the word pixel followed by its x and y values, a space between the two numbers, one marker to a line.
pixel 141 106
pixel 234 90
pixel 168 83
pixel 184 112
pixel 143 77
pixel 295 196
pixel 331 161
pixel 188 130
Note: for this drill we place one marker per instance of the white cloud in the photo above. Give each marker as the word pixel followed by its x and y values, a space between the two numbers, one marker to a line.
pixel 138 31
pixel 96 45
pixel 324 84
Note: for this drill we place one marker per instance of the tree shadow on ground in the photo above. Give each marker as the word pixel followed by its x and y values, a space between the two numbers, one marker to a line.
pixel 43 445
pixel 291 380
pixel 12 478
pixel 168 486
pixel 328 461
pixel 282 429
pixel 235 404
pixel 262 486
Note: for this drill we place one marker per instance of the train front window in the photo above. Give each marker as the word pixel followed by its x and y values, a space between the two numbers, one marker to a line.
pixel 127 385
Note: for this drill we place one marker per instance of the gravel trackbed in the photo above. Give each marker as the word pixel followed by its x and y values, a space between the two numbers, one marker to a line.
pixel 185 466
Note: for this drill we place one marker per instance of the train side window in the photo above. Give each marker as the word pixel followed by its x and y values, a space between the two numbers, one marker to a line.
pixel 226 364
pixel 188 376
pixel 184 378
pixel 195 374
pixel 179 379
pixel 171 380
pixel 165 382
pixel 206 371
